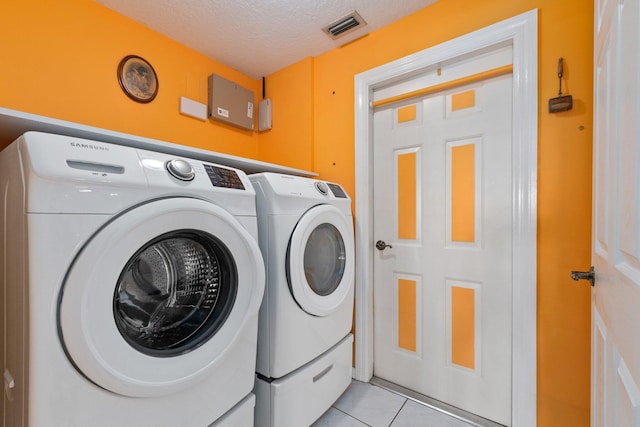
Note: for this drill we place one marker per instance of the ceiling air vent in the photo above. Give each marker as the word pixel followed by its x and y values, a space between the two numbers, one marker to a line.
pixel 344 25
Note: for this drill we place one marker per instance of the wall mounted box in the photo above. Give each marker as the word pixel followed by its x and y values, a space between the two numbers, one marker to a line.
pixel 264 115
pixel 230 102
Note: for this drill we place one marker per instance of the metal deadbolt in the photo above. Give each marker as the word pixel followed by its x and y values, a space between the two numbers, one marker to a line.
pixel 381 245
pixel 585 275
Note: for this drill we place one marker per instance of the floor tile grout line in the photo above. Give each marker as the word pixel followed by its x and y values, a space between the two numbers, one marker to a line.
pixel 443 411
pixel 399 410
pixel 351 416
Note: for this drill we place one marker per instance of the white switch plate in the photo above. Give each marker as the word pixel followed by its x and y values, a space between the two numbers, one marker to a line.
pixel 192 108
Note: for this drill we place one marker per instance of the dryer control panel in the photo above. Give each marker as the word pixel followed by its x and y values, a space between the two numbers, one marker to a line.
pixel 337 191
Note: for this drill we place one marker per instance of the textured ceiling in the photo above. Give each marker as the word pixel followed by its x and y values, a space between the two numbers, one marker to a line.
pixel 259 37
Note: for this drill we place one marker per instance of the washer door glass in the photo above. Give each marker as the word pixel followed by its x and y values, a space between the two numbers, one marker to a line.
pixel 320 260
pixel 324 259
pixel 175 292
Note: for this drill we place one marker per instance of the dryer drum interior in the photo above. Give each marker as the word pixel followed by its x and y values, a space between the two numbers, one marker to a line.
pixel 175 293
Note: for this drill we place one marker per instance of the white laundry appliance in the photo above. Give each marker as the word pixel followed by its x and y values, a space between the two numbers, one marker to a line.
pixel 131 288
pixel 306 236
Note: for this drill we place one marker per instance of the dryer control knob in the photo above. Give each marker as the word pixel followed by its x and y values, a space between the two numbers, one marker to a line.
pixel 180 169
pixel 322 188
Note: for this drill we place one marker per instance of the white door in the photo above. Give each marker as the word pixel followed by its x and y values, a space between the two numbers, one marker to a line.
pixel 443 286
pixel 616 216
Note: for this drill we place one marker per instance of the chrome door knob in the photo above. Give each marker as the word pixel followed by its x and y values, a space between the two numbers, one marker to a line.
pixel 381 245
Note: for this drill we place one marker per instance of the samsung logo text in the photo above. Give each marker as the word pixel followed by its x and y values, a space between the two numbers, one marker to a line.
pixel 89 146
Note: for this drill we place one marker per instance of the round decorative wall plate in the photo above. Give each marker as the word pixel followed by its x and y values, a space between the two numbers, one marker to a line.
pixel 137 79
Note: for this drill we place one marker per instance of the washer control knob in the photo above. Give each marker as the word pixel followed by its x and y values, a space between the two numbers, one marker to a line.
pixel 181 169
pixel 322 188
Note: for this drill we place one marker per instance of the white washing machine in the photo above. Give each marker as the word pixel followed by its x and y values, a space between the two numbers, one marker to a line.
pixel 131 288
pixel 304 343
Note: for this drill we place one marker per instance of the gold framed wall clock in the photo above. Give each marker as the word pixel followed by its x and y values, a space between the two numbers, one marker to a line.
pixel 137 79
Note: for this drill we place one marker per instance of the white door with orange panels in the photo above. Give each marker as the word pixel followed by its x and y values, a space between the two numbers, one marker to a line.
pixel 443 282
pixel 615 353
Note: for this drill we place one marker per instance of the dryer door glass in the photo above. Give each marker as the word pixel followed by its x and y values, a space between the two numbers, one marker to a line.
pixel 175 293
pixel 324 259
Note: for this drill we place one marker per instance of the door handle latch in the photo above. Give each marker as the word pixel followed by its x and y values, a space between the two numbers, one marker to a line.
pixel 381 245
pixel 585 275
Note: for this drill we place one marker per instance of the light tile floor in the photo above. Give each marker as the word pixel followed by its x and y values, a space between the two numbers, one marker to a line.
pixel 364 404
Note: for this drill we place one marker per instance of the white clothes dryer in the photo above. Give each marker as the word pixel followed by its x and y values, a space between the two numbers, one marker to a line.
pixel 132 285
pixel 305 229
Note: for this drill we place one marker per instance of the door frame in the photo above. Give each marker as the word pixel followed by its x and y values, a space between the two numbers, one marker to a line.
pixel 522 32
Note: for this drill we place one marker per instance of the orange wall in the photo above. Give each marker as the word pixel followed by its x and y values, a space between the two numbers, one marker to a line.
pixel 289 142
pixel 59 59
pixel 564 161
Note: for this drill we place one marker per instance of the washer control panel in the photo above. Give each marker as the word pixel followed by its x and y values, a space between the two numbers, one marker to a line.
pixel 221 177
